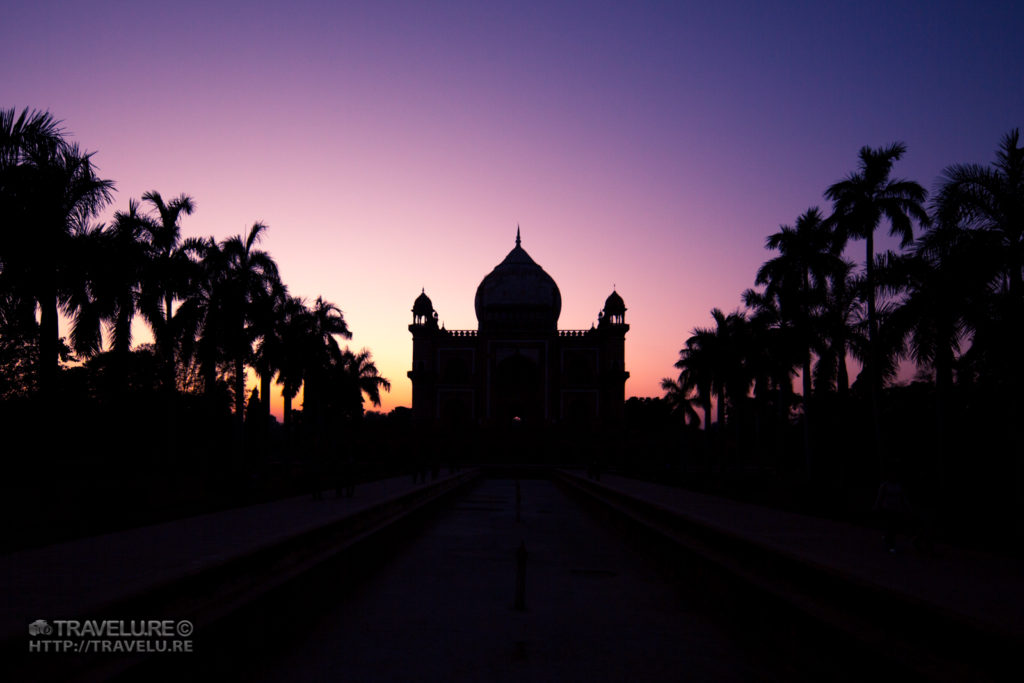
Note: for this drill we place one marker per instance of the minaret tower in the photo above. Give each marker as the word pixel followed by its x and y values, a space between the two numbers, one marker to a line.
pixel 612 328
pixel 424 340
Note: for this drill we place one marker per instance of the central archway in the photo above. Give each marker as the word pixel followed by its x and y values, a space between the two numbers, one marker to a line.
pixel 518 391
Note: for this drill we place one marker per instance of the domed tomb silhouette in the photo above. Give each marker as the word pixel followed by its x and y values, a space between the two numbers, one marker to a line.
pixel 518 367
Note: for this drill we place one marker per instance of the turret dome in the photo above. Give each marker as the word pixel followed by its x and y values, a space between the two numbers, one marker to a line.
pixel 423 305
pixel 614 305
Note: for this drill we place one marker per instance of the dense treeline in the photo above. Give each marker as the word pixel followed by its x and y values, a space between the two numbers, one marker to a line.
pixel 215 309
pixel 951 301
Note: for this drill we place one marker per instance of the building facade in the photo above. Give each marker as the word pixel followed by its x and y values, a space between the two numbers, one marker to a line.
pixel 518 366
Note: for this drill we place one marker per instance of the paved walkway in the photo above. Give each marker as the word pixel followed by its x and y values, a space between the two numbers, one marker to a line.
pixel 443 608
pixel 986 589
pixel 77 578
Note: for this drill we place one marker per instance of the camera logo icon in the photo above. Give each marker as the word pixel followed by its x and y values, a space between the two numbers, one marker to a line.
pixel 39 627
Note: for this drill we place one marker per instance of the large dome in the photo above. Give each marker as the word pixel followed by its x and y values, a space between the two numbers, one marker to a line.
pixel 518 294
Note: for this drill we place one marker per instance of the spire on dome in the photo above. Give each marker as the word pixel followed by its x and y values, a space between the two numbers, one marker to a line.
pixel 517 235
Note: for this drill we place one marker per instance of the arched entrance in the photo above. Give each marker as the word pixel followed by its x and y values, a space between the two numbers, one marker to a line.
pixel 517 391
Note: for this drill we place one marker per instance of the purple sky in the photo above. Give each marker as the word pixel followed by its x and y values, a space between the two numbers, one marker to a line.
pixel 395 145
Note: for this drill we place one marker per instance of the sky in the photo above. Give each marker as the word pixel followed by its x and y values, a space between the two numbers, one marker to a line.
pixel 395 146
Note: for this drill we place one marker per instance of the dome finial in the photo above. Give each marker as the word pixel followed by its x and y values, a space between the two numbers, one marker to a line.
pixel 517 234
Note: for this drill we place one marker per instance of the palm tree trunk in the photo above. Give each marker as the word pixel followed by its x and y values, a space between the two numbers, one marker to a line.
pixel 48 336
pixel 1016 404
pixel 720 433
pixel 265 395
pixel 782 421
pixel 707 431
pixel 209 370
pixel 165 348
pixel 239 389
pixel 806 380
pixel 842 374
pixel 264 419
pixel 873 377
pixel 721 411
pixel 238 450
pixel 943 382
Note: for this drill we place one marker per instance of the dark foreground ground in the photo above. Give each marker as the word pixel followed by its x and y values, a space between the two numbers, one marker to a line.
pixel 442 609
pixel 741 593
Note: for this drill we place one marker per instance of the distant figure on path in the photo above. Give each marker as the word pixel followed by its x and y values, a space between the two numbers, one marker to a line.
pixel 893 505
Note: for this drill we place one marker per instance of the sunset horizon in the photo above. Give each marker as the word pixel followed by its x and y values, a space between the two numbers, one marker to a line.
pixel 394 149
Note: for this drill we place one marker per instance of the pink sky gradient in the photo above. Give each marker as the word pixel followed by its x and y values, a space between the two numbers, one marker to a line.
pixel 396 146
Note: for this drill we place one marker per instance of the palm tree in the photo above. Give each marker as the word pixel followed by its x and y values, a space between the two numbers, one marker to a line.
pixel 210 345
pixel 985 206
pixel 940 287
pixel 86 294
pixel 773 354
pixel 837 323
pixel 173 272
pixel 797 277
pixel 269 316
pixel 49 191
pixel 362 378
pixel 712 363
pixel 321 355
pixel 294 327
pixel 250 275
pixel 860 202
pixel 695 374
pixel 990 200
pixel 25 139
pixel 989 203
pixel 125 268
pixel 22 132
pixel 680 401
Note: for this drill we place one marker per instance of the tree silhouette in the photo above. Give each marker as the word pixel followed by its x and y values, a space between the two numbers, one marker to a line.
pixel 990 200
pixel 680 400
pixel 50 192
pixel 797 277
pixel 774 351
pixel 269 317
pixel 321 355
pixel 172 274
pixel 126 267
pixel 293 327
pixel 860 202
pixel 250 275
pixel 989 203
pixel 838 323
pixel 362 377
pixel 712 363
